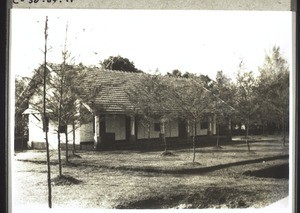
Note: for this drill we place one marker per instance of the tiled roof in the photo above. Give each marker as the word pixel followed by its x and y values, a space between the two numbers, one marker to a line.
pixel 112 97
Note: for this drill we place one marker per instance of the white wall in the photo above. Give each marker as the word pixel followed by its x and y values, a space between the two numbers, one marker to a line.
pixel 86 132
pixel 214 124
pixel 202 132
pixel 36 133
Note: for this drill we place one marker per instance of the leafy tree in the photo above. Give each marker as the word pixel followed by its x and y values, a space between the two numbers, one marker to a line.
pixel 119 63
pixel 150 98
pixel 207 81
pixel 224 86
pixel 21 104
pixel 25 87
pixel 192 100
pixel 246 99
pixel 274 89
pixel 188 75
pixel 225 90
pixel 175 73
pixel 178 73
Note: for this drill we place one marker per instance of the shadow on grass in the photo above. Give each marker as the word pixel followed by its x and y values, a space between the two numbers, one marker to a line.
pixel 65 180
pixel 278 172
pixel 167 153
pixel 210 197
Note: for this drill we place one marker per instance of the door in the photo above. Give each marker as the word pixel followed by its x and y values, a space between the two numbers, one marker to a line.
pixel 182 131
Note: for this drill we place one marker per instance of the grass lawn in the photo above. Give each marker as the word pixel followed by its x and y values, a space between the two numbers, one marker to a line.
pixel 133 179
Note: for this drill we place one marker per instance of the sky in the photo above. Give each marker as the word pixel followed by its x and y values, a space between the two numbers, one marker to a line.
pixel 201 42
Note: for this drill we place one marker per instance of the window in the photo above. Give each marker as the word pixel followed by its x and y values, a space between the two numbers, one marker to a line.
pixel 157 127
pixel 62 129
pixel 204 125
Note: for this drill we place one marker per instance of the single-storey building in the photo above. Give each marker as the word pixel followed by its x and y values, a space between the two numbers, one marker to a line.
pixel 110 123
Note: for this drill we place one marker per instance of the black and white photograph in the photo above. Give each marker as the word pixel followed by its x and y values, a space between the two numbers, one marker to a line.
pixel 151 109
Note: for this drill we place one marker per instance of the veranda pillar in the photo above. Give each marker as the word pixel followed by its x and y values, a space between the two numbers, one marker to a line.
pixel 229 129
pixel 97 138
pixel 214 132
pixel 209 129
pixel 99 130
pixel 132 129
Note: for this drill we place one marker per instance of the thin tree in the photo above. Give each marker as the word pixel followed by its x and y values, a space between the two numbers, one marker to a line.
pixel 45 116
pixel 67 92
pixel 57 88
pixel 223 112
pixel 150 98
pixel 224 89
pixel 67 103
pixel 58 85
pixel 192 101
pixel 74 135
pixel 62 82
pixel 65 55
pixel 246 100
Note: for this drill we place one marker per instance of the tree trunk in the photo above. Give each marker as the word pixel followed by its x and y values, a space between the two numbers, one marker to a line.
pixel 218 127
pixel 49 172
pixel 59 155
pixel 67 147
pixel 283 129
pixel 194 148
pixel 230 129
pixel 148 131
pixel 163 136
pixel 188 130
pixel 44 113
pixel 247 133
pixel 73 130
pixel 58 140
